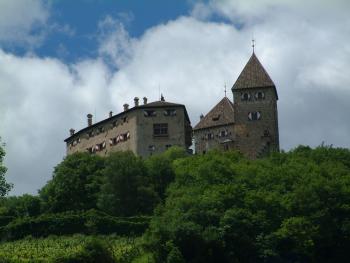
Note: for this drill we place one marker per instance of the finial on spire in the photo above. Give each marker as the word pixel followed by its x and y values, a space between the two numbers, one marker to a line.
pixel 225 90
pixel 253 44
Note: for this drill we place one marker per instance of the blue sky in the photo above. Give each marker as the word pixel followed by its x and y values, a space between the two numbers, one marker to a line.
pixel 60 60
pixel 79 22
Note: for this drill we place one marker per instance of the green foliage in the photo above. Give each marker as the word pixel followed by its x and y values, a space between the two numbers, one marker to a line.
pixel 94 250
pixel 174 255
pixel 4 186
pixel 160 170
pixel 71 249
pixel 75 184
pixel 19 206
pixel 127 190
pixel 289 207
pixel 90 222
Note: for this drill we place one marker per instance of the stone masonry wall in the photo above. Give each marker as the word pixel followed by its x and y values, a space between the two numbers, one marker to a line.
pixel 256 137
pixel 214 138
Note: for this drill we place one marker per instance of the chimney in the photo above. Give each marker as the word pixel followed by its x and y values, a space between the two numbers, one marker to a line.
pixel 144 100
pixel 136 100
pixel 89 119
pixel 126 106
pixel 71 131
pixel 201 116
pixel 110 114
pixel 162 97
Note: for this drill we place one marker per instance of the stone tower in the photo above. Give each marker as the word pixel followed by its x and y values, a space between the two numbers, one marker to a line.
pixel 255 111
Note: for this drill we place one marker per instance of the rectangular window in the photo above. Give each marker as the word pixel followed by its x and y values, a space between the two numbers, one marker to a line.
pixel 170 112
pixel 151 148
pixel 160 129
pixel 149 113
pixel 90 150
pixel 210 136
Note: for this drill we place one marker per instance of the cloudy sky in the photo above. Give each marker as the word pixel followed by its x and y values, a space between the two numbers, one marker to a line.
pixel 60 60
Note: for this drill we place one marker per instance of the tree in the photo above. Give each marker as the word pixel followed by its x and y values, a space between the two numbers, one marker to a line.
pixel 75 184
pixel 289 207
pixel 20 206
pixel 4 186
pixel 126 190
pixel 160 169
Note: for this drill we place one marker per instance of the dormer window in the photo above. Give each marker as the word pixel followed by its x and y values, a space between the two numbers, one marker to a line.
pixel 114 124
pixel 100 129
pixel 245 96
pixel 254 116
pixel 216 117
pixel 91 134
pixel 259 95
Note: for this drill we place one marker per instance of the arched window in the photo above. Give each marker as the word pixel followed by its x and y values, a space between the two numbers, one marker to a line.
pixel 254 116
pixel 245 96
pixel 259 95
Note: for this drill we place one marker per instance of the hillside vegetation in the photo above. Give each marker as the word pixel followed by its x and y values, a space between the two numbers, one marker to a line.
pixel 218 207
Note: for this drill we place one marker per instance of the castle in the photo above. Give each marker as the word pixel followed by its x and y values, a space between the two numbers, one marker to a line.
pixel 144 129
pixel 249 125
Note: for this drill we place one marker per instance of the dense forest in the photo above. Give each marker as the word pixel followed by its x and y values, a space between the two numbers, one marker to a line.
pixel 219 207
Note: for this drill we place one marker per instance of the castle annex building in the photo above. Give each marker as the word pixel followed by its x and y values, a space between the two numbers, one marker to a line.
pixel 250 124
pixel 144 129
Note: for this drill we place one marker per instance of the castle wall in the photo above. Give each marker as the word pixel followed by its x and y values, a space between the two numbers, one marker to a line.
pixel 256 138
pixel 219 137
pixel 121 126
pixel 148 143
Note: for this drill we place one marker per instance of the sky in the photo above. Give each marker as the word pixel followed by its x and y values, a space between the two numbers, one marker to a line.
pixel 60 60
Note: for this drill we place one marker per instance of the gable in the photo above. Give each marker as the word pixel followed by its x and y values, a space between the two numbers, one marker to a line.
pixel 221 114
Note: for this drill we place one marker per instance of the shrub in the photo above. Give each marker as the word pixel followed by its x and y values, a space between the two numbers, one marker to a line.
pixel 94 251
pixel 4 220
pixel 90 222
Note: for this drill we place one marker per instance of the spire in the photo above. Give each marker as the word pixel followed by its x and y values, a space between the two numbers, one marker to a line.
pixel 253 75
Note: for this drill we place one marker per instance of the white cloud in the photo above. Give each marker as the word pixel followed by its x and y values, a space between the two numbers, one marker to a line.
pixel 20 18
pixel 116 46
pixel 191 59
pixel 40 100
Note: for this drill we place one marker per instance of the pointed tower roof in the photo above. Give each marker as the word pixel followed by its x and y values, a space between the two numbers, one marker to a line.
pixel 221 114
pixel 253 75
